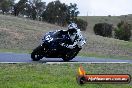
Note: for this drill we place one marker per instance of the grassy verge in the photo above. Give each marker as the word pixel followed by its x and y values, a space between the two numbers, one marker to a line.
pixel 104 56
pixel 56 76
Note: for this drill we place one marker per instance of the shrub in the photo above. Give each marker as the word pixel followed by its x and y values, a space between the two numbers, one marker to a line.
pixel 109 15
pixel 81 24
pixel 123 31
pixel 103 29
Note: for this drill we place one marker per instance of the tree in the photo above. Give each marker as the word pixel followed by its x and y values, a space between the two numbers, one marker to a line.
pixel 12 3
pixel 123 31
pixel 18 7
pixel 34 9
pixel 40 7
pixel 6 5
pixel 60 13
pixel 55 12
pixel 73 13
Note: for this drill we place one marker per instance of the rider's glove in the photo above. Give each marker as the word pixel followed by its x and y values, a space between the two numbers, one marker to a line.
pixel 63 44
pixel 70 46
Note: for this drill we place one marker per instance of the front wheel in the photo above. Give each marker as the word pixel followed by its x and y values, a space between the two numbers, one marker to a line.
pixel 36 55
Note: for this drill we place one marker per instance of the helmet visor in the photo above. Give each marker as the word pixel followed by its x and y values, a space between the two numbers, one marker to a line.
pixel 72 31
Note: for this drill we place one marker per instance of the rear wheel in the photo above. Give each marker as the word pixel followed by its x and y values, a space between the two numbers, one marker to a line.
pixel 36 55
pixel 69 56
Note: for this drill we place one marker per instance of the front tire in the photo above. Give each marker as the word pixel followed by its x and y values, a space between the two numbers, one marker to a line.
pixel 36 55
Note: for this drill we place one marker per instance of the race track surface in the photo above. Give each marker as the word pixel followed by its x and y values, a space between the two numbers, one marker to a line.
pixel 25 58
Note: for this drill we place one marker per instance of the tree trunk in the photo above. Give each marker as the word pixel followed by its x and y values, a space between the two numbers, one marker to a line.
pixel 3 12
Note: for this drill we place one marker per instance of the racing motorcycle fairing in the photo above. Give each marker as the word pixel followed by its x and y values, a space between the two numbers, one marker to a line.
pixel 51 47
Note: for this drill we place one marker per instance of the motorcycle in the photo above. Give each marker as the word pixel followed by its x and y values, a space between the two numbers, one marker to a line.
pixel 52 48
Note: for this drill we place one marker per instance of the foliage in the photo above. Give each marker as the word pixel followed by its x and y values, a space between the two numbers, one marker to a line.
pixel 30 8
pixel 18 7
pixel 56 12
pixel 123 31
pixel 103 29
pixel 81 24
pixel 60 13
pixel 6 5
pixel 72 11
pixel 34 9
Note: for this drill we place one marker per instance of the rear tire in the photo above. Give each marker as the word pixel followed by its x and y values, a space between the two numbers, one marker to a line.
pixel 69 56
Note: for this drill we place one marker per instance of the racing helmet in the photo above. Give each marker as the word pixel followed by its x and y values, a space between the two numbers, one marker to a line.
pixel 72 28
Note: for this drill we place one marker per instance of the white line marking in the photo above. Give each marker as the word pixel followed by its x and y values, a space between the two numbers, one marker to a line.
pixel 85 62
pixel 12 62
pixel 69 62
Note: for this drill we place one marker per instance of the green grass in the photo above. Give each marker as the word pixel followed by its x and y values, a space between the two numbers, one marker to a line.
pixel 89 54
pixel 56 76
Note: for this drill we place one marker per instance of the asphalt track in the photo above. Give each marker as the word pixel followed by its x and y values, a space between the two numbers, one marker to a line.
pixel 25 58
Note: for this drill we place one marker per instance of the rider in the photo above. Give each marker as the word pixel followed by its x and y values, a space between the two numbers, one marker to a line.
pixel 75 36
